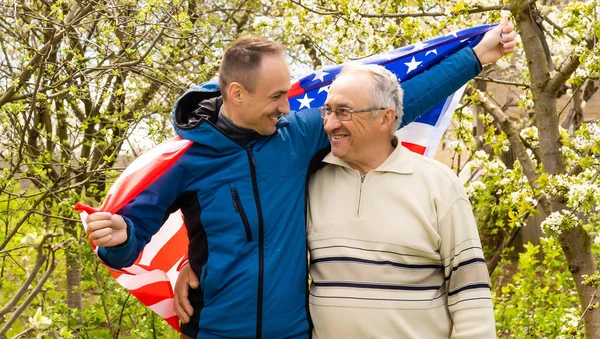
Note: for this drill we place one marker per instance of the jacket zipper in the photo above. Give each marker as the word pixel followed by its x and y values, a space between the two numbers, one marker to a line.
pixel 362 180
pixel 261 250
pixel 240 210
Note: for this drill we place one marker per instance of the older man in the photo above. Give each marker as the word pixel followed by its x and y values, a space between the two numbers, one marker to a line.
pixel 394 248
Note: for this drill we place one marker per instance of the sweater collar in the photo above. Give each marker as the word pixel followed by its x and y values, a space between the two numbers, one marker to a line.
pixel 401 160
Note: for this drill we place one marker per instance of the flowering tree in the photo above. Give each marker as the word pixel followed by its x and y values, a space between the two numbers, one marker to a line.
pixel 84 83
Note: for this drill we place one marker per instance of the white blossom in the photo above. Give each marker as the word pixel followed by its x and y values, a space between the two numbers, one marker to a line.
pixel 558 221
pixel 39 321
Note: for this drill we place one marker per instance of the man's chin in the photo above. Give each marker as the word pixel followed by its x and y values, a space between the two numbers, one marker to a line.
pixel 338 153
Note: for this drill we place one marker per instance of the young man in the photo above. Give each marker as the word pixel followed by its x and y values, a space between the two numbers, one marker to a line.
pixel 241 188
pixel 394 247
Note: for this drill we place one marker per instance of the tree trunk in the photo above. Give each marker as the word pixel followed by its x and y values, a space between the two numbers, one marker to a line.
pixel 575 242
pixel 73 272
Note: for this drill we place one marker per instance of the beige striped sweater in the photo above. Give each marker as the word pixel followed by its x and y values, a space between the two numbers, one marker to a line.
pixel 395 253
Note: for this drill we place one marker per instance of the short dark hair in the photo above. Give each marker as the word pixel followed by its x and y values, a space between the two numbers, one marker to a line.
pixel 242 60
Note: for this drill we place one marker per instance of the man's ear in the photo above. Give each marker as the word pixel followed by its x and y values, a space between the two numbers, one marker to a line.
pixel 388 118
pixel 235 93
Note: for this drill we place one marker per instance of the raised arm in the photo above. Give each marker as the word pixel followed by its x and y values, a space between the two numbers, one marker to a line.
pixel 424 91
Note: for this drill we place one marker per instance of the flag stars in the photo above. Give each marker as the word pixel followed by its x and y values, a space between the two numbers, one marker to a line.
pixel 412 65
pixel 320 75
pixel 324 89
pixel 434 51
pixel 419 46
pixel 305 102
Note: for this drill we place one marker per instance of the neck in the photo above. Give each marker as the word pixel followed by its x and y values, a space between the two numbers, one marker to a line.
pixel 228 112
pixel 372 160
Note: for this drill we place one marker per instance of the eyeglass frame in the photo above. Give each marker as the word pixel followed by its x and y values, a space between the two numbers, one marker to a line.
pixel 323 112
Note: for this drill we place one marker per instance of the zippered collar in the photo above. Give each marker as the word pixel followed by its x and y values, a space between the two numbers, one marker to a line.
pixel 401 161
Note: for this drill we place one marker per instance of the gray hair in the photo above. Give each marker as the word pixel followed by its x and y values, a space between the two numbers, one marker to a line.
pixel 386 89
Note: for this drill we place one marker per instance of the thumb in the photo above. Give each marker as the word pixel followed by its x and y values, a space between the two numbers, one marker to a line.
pixel 193 278
pixel 504 21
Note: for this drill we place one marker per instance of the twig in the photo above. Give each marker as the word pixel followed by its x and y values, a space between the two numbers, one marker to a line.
pixel 121 316
pixel 110 325
pixel 557 27
pixel 503 82
pixel 583 314
pixel 31 296
pixel 433 14
pixel 315 11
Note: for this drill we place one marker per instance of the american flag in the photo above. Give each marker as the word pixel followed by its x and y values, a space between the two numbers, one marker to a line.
pixel 152 277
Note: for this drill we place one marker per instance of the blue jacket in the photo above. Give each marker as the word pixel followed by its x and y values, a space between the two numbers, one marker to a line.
pixel 244 208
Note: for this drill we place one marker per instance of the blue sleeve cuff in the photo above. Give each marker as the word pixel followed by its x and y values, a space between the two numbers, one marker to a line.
pixel 478 62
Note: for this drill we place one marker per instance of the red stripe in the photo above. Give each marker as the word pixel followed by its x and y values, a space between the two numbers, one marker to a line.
pixel 153 293
pixel 172 251
pixel 295 90
pixel 414 147
pixel 174 322
pixel 133 185
pixel 79 207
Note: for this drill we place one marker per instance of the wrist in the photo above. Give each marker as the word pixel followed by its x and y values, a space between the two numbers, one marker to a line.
pixel 182 264
pixel 478 53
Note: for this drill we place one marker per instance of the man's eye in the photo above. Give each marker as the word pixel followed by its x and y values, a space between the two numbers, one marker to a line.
pixel 343 112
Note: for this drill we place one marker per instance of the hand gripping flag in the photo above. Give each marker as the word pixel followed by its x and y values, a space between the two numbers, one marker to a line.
pixel 153 275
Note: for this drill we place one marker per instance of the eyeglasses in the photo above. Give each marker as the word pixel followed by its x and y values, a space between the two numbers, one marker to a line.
pixel 345 114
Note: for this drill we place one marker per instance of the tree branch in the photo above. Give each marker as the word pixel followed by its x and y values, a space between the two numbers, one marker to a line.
pixel 515 141
pixel 569 65
pixel 503 82
pixel 31 296
pixel 433 14
pixel 315 11
pixel 72 19
pixel 557 27
pixel 40 260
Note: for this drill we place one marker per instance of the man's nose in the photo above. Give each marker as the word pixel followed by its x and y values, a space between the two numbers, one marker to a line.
pixel 331 122
pixel 284 106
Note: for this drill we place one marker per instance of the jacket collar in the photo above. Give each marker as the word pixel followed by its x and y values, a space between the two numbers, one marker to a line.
pixel 401 161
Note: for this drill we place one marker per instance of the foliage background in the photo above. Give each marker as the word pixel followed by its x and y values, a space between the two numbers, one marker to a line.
pixel 85 86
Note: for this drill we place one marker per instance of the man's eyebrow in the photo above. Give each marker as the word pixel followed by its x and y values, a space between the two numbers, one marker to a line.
pixel 279 92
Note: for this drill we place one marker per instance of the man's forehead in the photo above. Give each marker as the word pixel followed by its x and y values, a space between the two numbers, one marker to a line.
pixel 347 89
pixel 335 99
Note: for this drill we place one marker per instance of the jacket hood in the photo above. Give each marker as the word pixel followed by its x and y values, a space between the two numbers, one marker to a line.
pixel 199 102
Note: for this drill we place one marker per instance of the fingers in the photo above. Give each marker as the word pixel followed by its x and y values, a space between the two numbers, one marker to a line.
pixel 187 306
pixel 98 216
pixel 180 311
pixel 99 228
pixel 509 45
pixel 100 233
pixel 182 306
pixel 98 225
pixel 181 295
pixel 193 278
pixel 508 28
pixel 104 241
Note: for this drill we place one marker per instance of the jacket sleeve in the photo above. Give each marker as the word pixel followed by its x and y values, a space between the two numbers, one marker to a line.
pixel 309 126
pixel 424 91
pixel 467 278
pixel 144 216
